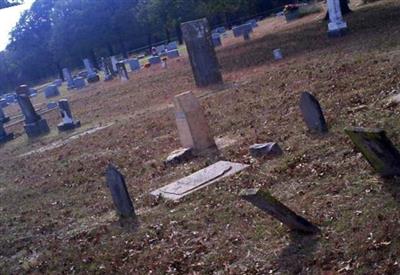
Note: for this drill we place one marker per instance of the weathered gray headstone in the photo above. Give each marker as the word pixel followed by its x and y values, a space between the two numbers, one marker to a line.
pixel 134 64
pixel 34 125
pixel 193 128
pixel 91 74
pixel 68 122
pixel 270 149
pixel 377 148
pixel 114 62
pixel 277 54
pixel 51 91
pixel 122 200
pixel 3 117
pixel 312 114
pixel 172 46
pixel 122 72
pixel 201 51
pixel 216 39
pixel 179 156
pixel 243 30
pixel 68 78
pixel 153 60
pixel 57 82
pixel 79 82
pixel 4 136
pixel 173 54
pixel 266 202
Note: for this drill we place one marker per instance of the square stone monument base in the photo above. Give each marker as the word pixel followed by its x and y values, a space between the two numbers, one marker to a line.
pixel 6 138
pixel 36 129
pixel 62 127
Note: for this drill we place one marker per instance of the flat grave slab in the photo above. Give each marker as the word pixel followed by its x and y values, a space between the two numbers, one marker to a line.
pixel 199 179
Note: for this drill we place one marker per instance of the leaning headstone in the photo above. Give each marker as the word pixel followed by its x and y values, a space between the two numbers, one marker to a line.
pixel 377 148
pixel 92 77
pixel 34 125
pixel 270 149
pixel 120 196
pixel 3 117
pixel 192 125
pixel 216 39
pixel 57 82
pixel 68 122
pixel 4 136
pixel 79 83
pixel 198 180
pixel 122 72
pixel 134 64
pixel 155 59
pixel 51 91
pixel 312 114
pixel 179 156
pixel 277 54
pixel 68 77
pixel 173 54
pixel 201 51
pixel 266 202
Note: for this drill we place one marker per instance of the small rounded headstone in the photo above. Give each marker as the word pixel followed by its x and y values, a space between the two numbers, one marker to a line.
pixel 51 91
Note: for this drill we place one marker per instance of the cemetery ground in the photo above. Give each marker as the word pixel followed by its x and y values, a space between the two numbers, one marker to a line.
pixel 57 216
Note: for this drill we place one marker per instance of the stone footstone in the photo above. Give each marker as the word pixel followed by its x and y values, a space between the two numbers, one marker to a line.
pixel 203 58
pixel 51 91
pixel 377 148
pixel 312 114
pixel 192 124
pixel 68 122
pixel 34 126
pixel 270 149
pixel 120 196
pixel 4 136
pixel 267 203
pixel 179 156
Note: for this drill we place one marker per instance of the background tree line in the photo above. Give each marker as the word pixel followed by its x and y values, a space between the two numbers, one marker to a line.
pixel 59 33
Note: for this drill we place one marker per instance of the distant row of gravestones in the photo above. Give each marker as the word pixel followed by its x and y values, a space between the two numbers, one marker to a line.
pixel 242 30
pixel 195 137
pixel 35 125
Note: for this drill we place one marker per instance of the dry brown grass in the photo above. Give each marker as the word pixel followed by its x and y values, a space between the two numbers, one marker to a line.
pixel 56 214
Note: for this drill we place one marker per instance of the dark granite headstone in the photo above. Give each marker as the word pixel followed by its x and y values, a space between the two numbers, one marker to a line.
pixel 34 125
pixel 312 114
pixel 122 72
pixel 266 202
pixel 377 148
pixel 120 196
pixel 68 122
pixel 201 51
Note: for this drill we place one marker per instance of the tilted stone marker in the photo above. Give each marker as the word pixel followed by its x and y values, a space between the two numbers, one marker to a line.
pixel 120 196
pixel 92 76
pixel 51 91
pixel 68 78
pixel 377 148
pixel 193 128
pixel 266 202
pixel 68 122
pixel 270 149
pixel 199 180
pixel 122 72
pixel 312 114
pixel 4 136
pixel 3 117
pixel 201 51
pixel 34 125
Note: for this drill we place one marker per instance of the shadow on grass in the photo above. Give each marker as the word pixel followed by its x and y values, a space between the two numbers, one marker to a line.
pixel 298 254
pixel 366 26
pixel 392 185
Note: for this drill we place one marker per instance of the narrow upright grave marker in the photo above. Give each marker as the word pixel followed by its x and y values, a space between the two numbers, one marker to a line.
pixel 3 117
pixel 34 125
pixel 198 180
pixel 107 68
pixel 266 202
pixel 201 51
pixel 51 91
pixel 68 77
pixel 4 137
pixel 122 200
pixel 312 114
pixel 122 72
pixel 92 76
pixel 114 62
pixel 277 54
pixel 193 128
pixel 216 39
pixel 68 122
pixel 336 26
pixel 377 148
